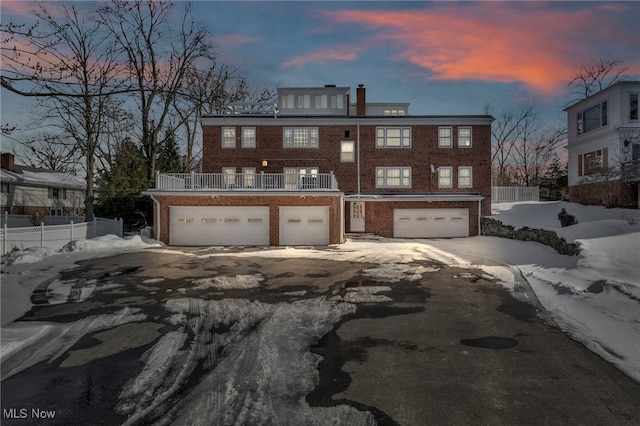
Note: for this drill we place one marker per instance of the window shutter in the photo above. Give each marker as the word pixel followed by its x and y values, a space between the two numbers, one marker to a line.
pixel 580 165
pixel 50 192
pixel 605 158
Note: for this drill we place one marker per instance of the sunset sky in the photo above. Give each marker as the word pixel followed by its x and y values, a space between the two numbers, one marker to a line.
pixel 441 57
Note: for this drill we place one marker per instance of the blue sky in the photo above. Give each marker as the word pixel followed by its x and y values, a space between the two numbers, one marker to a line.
pixel 441 57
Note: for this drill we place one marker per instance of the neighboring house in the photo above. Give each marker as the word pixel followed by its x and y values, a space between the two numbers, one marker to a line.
pixel 315 166
pixel 604 147
pixel 30 190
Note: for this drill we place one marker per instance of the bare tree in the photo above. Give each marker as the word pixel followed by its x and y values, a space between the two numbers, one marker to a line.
pixel 65 62
pixel 596 76
pixel 210 90
pixel 534 151
pixel 159 56
pixel 505 133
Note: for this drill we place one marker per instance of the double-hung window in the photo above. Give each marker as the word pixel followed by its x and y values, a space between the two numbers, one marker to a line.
pixel 393 137
pixel 347 152
pixel 445 177
pixel 249 177
pixel 58 193
pixel 445 137
pixel 465 177
pixel 464 137
pixel 300 137
pixel 228 137
pixel 229 176
pixel 248 137
pixel 393 177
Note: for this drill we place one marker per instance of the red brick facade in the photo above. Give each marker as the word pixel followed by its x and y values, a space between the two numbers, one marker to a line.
pixel 423 153
pixel 610 194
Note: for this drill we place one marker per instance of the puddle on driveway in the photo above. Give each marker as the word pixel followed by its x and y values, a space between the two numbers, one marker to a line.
pixel 362 283
pixel 490 342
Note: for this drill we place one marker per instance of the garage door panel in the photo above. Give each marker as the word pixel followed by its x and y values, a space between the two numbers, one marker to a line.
pixel 430 223
pixel 219 225
pixel 308 225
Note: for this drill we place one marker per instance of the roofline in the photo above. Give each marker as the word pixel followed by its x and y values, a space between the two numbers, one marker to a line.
pixel 415 197
pixel 246 193
pixel 606 89
pixel 267 119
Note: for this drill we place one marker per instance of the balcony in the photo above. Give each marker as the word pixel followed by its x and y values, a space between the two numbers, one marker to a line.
pixel 246 182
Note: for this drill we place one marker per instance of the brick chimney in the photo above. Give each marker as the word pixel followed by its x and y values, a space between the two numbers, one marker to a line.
pixel 8 161
pixel 361 101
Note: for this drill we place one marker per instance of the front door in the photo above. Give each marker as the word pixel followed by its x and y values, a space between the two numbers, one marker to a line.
pixel 357 216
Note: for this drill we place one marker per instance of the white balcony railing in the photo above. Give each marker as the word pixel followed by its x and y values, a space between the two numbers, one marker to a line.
pixel 246 181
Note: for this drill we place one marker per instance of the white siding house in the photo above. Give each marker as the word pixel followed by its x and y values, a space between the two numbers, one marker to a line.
pixel 30 190
pixel 604 146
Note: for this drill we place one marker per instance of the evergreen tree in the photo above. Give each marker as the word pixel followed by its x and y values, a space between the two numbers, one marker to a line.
pixel 556 178
pixel 120 188
pixel 169 158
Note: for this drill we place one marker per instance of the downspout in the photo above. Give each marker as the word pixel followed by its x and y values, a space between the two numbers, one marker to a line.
pixel 358 154
pixel 157 203
pixel 479 218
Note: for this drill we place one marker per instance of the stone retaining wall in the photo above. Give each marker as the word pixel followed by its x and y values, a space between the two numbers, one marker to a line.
pixel 494 228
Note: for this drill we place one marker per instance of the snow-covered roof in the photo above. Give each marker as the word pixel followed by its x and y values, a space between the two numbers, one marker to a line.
pixel 33 176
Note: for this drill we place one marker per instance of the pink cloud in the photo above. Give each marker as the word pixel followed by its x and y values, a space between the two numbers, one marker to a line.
pixel 494 42
pixel 334 53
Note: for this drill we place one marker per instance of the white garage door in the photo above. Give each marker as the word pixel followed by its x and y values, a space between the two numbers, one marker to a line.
pixel 430 223
pixel 301 226
pixel 219 226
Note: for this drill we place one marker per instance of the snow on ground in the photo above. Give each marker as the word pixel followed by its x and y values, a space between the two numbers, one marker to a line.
pixel 24 270
pixel 594 297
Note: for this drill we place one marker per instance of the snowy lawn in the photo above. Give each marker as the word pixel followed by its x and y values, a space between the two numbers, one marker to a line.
pixel 594 297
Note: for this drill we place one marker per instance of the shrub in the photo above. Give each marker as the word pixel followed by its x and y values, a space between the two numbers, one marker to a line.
pixel 566 219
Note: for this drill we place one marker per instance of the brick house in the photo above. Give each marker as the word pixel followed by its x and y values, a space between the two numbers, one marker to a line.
pixel 603 142
pixel 30 190
pixel 315 166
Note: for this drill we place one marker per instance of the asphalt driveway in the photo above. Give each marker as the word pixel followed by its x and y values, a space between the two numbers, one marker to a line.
pixel 240 336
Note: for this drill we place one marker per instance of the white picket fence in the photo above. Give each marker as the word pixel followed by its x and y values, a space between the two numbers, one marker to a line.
pixel 56 236
pixel 512 194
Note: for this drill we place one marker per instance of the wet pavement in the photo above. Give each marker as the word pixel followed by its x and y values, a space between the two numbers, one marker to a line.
pixel 212 336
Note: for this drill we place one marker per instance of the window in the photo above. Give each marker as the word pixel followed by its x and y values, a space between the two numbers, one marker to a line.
pixel 394 112
pixel 58 193
pixel 304 101
pixel 592 118
pixel 393 177
pixel 444 177
pixel 249 177
pixel 633 106
pixel 445 137
pixel 322 102
pixel 55 212
pixel 393 137
pixel 229 176
pixel 300 137
pixel 337 102
pixel 464 137
pixel 300 177
pixel 347 152
pixel 287 102
pixel 248 137
pixel 228 137
pixel 465 179
pixel 593 162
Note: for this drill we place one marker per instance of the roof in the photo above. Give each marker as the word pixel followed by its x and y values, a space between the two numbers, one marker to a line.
pixel 33 176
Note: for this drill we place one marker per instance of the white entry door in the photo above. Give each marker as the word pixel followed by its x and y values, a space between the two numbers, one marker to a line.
pixel 302 226
pixel 356 223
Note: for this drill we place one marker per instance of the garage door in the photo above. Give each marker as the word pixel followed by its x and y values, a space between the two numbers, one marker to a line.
pixel 301 226
pixel 224 226
pixel 430 223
